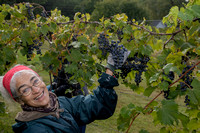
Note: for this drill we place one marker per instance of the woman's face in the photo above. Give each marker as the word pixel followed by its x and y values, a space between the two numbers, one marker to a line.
pixel 29 82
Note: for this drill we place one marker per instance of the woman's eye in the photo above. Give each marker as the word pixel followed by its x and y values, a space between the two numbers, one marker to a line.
pixel 26 90
pixel 36 82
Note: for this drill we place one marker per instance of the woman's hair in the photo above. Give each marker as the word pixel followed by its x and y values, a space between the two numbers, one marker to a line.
pixel 13 82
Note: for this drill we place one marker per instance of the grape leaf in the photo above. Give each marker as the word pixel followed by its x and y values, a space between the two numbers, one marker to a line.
pixel 164 85
pixel 83 40
pixel 168 113
pixel 154 78
pixel 26 37
pixel 194 94
pixel 170 67
pixel 148 91
pixel 146 50
pixel 45 29
pixel 193 124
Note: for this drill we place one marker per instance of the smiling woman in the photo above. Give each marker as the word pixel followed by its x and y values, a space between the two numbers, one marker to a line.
pixel 29 89
pixel 44 111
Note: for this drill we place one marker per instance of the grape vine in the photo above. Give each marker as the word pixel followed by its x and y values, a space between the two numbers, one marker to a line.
pixel 161 61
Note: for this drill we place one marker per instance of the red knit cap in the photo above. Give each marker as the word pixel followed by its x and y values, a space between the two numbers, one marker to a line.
pixel 8 76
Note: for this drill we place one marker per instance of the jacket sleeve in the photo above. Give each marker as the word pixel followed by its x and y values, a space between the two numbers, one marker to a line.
pixel 100 105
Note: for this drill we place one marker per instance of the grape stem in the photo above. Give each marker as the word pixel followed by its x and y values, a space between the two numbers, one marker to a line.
pixel 160 94
pixel 187 85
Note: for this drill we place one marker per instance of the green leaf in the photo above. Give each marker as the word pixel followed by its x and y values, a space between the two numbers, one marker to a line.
pixel 195 9
pixel 87 16
pixel 146 50
pixel 195 84
pixel 170 67
pixel 168 113
pixel 9 54
pixel 124 118
pixel 163 85
pixel 162 57
pixel 26 37
pixel 193 124
pixel 75 44
pixel 75 56
pixel 154 78
pixel 53 26
pixel 71 68
pixel 171 18
pixel 44 29
pixel 174 58
pixel 194 94
pixel 198 50
pixel 193 112
pixel 127 29
pixel 1 17
pixel 148 91
pixel 184 119
pixel 83 40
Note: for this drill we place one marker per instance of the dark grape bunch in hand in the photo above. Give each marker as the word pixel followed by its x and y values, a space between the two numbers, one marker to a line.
pixel 103 44
pixel 118 54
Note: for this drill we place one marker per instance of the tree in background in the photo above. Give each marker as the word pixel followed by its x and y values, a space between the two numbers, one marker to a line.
pixel 108 8
pixel 86 6
pixel 11 2
pixel 131 9
pixel 157 9
pixel 66 6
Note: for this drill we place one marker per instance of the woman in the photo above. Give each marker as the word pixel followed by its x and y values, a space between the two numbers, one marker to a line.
pixel 42 111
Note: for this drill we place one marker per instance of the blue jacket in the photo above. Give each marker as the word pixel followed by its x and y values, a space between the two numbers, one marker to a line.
pixel 77 111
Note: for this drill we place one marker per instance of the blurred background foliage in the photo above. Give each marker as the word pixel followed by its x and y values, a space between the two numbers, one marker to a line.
pixel 137 9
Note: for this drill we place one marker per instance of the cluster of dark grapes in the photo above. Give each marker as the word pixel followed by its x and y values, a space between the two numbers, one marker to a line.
pixel 117 52
pixel 37 46
pixel 187 100
pixel 104 45
pixel 136 63
pixel 119 34
pixel 186 78
pixel 170 75
pixel 61 83
pixel 114 48
pixel 30 12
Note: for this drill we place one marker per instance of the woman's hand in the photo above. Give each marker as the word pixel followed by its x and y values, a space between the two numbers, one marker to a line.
pixel 108 71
